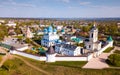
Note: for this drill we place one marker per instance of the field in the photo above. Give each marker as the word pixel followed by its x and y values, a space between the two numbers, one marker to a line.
pixel 57 68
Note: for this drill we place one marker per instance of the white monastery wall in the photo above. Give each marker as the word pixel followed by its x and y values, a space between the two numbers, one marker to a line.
pixel 43 58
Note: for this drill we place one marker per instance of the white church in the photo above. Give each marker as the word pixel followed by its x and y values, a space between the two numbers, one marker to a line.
pixel 93 43
pixel 28 33
pixel 50 37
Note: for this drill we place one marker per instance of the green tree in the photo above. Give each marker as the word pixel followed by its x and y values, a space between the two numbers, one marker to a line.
pixel 114 59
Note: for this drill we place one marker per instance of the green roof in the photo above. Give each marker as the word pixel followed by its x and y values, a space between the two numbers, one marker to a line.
pixel 41 50
pixel 76 39
pixel 5 45
pixel 109 38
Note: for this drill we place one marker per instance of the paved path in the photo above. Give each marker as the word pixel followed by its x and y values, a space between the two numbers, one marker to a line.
pixel 5 57
pixel 34 67
pixel 99 62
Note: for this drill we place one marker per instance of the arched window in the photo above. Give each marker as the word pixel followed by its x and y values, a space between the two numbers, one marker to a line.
pixel 89 46
pixel 92 35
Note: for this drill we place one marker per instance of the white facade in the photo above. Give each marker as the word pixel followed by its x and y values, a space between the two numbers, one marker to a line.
pixel 28 34
pixel 50 57
pixel 43 58
pixel 50 37
pixel 67 49
pixel 10 23
pixel 92 43
pixel 59 27
pixel 2 21
pixel 22 48
pixel 111 43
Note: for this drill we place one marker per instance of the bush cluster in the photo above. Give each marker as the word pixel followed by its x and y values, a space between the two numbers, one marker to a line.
pixel 114 59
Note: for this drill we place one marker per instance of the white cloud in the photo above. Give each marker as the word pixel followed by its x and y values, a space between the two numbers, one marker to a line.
pixel 65 1
pixel 85 3
pixel 13 3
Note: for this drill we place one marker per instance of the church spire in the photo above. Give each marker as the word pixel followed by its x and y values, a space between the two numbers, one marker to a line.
pixel 94 24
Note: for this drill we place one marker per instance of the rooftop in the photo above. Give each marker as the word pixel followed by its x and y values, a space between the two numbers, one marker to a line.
pixel 109 39
pixel 50 50
pixel 67 46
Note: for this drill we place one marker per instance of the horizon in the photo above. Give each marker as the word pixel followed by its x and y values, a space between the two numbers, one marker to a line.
pixel 65 17
pixel 60 8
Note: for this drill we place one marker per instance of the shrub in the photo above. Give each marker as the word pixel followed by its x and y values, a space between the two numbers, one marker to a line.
pixel 114 59
pixel 117 51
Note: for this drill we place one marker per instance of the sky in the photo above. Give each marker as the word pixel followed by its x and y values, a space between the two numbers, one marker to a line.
pixel 60 8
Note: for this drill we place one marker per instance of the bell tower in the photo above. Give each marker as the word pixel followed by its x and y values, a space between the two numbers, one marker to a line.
pixel 93 36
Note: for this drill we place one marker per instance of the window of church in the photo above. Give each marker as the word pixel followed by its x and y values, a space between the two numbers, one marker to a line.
pixel 85 47
pixel 89 46
pixel 92 35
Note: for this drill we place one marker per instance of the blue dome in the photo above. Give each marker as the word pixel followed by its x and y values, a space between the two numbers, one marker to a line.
pixel 54 30
pixel 59 41
pixel 45 30
pixel 50 29
pixel 62 30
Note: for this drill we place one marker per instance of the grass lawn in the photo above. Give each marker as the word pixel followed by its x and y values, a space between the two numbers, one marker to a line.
pixel 72 64
pixel 57 68
pixel 0 58
pixel 70 68
pixel 17 67
pixel 108 49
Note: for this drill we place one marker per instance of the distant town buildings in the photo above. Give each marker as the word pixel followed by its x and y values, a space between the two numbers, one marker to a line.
pixel 118 24
pixel 11 23
pixel 2 21
pixel 59 27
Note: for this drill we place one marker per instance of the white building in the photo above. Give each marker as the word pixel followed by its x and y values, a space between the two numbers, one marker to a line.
pixel 50 55
pixel 50 37
pixel 59 27
pixel 42 25
pixel 92 43
pixel 28 33
pixel 40 32
pixel 20 46
pixel 110 41
pixel 2 21
pixel 11 23
pixel 68 49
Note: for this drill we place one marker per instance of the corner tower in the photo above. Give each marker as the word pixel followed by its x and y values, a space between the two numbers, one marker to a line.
pixel 50 54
